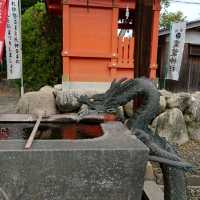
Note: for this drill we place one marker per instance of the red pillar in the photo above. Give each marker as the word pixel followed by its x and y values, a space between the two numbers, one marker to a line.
pixel 66 39
pixel 154 39
pixel 115 14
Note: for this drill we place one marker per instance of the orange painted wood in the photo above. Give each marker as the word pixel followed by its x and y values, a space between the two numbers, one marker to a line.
pixel 115 12
pixel 125 52
pixel 89 70
pixel 126 49
pixel 90 42
pixel 91 49
pixel 66 43
pixel 124 66
pixel 102 3
pixel 131 49
pixel 82 54
pixel 120 51
pixel 92 52
pixel 131 54
pixel 154 39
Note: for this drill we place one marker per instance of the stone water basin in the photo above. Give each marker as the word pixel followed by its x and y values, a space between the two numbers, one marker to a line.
pixel 107 165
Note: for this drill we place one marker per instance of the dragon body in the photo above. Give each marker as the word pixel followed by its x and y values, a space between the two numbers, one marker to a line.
pixel 120 93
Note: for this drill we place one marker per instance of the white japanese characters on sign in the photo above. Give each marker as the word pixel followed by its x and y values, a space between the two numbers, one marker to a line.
pixel 177 41
pixel 13 42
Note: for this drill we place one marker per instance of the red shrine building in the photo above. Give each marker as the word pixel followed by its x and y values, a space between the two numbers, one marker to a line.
pixel 107 39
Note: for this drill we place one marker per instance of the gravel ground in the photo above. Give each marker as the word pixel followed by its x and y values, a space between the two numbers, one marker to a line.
pixel 190 152
pixel 8 104
pixel 9 96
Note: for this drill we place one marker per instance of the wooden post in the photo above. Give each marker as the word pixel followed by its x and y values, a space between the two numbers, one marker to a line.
pixel 154 39
pixel 66 43
pixel 143 37
pixel 115 13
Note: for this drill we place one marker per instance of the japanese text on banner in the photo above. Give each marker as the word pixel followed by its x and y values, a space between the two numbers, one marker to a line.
pixel 177 41
pixel 13 42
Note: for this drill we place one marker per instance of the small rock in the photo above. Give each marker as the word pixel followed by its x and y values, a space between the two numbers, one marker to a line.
pixel 194 130
pixel 58 87
pixel 193 126
pixel 165 93
pixel 120 113
pixel 179 100
pixel 128 109
pixel 171 125
pixel 149 174
pixel 196 95
pixel 194 108
pixel 83 110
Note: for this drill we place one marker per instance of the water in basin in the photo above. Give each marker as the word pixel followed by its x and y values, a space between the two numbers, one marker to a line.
pixel 50 131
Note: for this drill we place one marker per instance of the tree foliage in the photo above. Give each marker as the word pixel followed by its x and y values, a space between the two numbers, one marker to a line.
pixel 168 17
pixel 41 44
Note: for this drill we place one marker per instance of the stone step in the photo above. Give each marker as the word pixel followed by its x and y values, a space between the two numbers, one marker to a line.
pixel 153 191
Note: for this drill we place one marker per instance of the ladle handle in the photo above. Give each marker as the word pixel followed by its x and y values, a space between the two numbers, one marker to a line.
pixel 33 133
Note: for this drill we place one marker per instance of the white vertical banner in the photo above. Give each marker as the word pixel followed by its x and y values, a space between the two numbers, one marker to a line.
pixel 176 48
pixel 13 41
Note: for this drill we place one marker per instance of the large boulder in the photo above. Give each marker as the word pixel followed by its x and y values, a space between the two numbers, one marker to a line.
pixel 171 125
pixel 67 99
pixel 192 117
pixel 38 102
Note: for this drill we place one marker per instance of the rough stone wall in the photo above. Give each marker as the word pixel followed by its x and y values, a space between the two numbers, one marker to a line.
pixel 178 120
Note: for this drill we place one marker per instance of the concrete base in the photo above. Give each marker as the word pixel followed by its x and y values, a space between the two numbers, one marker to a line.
pixel 86 86
pixel 111 167
pixel 153 191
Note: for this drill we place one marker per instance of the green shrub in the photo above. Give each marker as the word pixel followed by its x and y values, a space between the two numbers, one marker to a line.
pixel 41 45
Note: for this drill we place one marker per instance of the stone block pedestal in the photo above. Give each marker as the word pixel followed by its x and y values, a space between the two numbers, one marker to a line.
pixel 110 167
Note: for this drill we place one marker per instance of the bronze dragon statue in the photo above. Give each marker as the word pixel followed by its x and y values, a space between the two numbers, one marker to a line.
pixel 123 91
